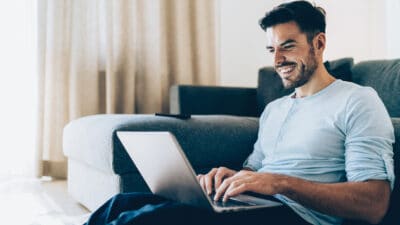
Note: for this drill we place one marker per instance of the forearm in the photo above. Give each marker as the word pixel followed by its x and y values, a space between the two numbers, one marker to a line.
pixel 357 200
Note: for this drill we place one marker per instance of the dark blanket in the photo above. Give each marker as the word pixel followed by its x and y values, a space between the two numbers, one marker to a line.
pixel 145 208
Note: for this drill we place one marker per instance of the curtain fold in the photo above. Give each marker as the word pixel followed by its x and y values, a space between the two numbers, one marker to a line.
pixel 101 56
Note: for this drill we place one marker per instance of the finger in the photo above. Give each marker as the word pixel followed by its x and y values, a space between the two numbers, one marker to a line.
pixel 235 181
pixel 222 188
pixel 203 182
pixel 219 176
pixel 232 185
pixel 234 191
pixel 222 173
pixel 209 181
pixel 200 178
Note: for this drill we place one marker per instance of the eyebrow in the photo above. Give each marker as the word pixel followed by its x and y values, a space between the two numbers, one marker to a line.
pixel 289 41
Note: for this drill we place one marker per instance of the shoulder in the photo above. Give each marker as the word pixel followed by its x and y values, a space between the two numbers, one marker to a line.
pixel 365 110
pixel 363 97
pixel 356 95
pixel 356 89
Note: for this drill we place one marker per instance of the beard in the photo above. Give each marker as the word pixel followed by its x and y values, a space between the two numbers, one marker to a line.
pixel 306 71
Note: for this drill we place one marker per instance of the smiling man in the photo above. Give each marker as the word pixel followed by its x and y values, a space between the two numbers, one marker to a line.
pixel 321 150
pixel 325 150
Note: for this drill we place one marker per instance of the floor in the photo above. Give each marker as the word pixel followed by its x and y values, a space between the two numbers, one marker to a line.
pixel 25 201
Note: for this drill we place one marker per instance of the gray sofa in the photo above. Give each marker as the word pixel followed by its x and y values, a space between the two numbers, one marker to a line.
pixel 221 132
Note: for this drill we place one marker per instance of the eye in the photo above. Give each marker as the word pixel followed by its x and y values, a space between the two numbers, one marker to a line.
pixel 287 47
pixel 270 50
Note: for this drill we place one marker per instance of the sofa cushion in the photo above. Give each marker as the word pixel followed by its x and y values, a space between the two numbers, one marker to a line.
pixel 384 77
pixel 270 86
pixel 214 136
pixel 340 68
pixel 92 140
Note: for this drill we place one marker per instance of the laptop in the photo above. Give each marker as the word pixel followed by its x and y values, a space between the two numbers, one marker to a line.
pixel 168 173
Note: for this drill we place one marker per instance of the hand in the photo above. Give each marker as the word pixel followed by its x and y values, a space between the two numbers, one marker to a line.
pixel 214 177
pixel 263 183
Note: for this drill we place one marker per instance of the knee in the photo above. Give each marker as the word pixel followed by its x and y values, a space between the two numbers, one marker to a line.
pixel 120 197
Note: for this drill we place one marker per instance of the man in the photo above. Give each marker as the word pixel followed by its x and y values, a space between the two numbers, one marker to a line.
pixel 321 150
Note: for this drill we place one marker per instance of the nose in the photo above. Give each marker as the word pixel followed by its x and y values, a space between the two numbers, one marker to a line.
pixel 278 57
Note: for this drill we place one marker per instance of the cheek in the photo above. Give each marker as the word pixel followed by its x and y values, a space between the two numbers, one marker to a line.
pixel 302 61
pixel 296 57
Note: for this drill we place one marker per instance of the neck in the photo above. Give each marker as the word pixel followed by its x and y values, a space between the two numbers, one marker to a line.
pixel 318 81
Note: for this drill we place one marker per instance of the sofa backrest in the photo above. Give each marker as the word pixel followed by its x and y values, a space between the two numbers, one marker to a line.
pixel 384 77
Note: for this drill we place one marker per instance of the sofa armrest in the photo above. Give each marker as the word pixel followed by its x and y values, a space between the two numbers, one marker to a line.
pixel 208 141
pixel 200 100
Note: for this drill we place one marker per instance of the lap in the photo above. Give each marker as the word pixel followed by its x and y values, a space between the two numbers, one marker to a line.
pixel 143 208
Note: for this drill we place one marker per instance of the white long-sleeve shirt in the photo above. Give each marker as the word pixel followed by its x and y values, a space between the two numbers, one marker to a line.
pixel 342 133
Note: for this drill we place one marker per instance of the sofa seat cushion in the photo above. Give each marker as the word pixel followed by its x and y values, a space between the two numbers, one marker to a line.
pixel 225 140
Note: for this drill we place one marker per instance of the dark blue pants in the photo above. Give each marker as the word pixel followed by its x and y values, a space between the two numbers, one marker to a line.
pixel 145 208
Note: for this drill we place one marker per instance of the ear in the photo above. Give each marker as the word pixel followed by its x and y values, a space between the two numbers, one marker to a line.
pixel 319 42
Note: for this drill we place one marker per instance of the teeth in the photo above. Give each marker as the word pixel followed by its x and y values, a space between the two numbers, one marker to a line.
pixel 287 69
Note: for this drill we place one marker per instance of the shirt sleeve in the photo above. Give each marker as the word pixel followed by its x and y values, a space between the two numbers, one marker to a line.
pixel 254 161
pixel 369 138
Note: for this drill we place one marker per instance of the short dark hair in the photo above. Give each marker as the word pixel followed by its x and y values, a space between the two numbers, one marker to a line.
pixel 309 18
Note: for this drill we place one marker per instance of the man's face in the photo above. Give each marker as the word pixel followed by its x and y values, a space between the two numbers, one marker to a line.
pixel 294 57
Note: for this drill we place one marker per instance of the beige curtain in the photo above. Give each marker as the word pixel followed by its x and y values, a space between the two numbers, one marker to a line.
pixel 115 56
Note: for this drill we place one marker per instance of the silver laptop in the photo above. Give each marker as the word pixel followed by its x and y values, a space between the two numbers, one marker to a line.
pixel 168 173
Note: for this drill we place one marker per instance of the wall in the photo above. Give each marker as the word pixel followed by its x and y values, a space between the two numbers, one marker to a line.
pixel 242 42
pixel 393 28
pixel 355 28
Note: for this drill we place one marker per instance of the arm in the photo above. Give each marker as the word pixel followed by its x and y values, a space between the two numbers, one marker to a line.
pixel 356 200
pixel 367 200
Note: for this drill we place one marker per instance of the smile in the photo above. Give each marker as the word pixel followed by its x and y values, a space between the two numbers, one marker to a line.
pixel 286 70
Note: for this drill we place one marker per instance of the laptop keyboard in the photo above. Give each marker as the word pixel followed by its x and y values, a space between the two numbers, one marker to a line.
pixel 229 203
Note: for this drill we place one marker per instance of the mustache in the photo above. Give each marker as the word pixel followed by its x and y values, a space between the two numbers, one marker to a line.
pixel 286 63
